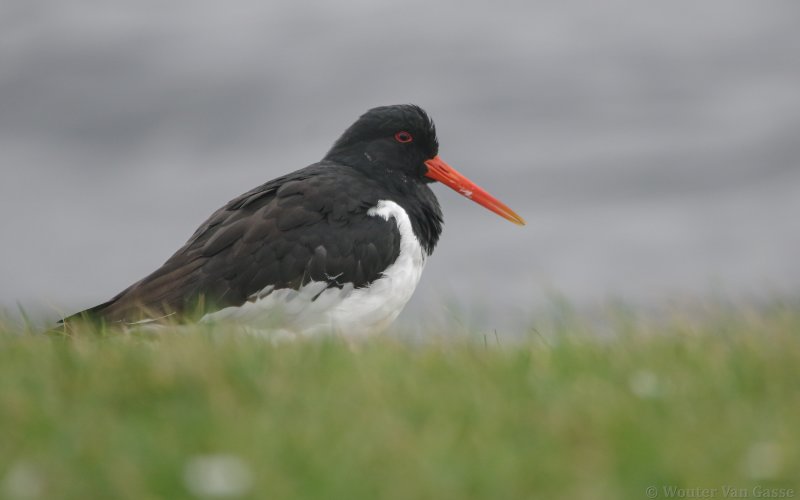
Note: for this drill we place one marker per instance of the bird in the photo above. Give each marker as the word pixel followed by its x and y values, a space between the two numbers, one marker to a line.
pixel 336 247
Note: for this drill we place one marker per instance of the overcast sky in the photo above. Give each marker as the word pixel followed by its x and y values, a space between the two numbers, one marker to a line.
pixel 652 148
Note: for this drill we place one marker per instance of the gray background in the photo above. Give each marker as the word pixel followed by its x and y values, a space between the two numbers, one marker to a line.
pixel 652 147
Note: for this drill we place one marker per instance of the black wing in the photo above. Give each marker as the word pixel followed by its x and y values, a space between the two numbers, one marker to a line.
pixel 311 225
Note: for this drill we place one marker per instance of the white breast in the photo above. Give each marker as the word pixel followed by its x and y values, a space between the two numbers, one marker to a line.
pixel 348 312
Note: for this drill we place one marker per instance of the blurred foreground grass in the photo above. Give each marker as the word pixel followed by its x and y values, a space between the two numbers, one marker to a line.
pixel 565 414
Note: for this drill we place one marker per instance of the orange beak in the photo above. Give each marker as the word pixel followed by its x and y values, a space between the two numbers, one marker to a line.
pixel 440 171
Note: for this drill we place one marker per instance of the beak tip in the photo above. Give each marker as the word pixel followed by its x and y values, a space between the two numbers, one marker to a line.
pixel 440 171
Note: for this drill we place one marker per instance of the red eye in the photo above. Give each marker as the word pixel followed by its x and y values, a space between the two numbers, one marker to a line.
pixel 403 137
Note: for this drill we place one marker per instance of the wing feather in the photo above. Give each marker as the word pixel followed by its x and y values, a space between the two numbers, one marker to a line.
pixel 284 234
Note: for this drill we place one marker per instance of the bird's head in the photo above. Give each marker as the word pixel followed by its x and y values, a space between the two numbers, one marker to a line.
pixel 399 142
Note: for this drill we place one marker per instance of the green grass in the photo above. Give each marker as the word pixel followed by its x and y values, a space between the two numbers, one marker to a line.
pixel 566 413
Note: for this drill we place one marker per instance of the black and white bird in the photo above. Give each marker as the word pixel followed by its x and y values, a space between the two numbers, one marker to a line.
pixel 338 246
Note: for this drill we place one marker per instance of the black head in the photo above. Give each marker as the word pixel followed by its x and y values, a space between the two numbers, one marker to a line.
pixel 394 140
pixel 398 145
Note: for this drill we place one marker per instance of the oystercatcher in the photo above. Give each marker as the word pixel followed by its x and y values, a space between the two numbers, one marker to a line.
pixel 338 246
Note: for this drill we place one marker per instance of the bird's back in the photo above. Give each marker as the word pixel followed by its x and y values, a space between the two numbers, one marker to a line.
pixel 311 225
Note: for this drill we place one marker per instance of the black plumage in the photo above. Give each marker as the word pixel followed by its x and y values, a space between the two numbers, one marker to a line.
pixel 309 225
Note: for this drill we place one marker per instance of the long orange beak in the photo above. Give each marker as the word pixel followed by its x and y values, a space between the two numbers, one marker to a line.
pixel 440 171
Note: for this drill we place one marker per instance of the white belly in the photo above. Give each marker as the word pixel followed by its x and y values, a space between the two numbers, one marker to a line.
pixel 347 311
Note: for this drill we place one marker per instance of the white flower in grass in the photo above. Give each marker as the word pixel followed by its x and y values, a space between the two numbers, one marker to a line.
pixel 217 476
pixel 23 480
pixel 763 460
pixel 644 384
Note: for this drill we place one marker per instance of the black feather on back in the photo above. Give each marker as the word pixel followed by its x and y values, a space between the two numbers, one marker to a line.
pixel 311 225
